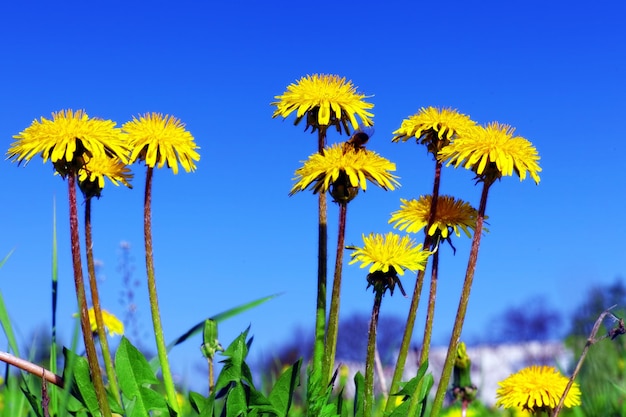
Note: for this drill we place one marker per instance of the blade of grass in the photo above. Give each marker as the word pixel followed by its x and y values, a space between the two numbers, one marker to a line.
pixel 219 318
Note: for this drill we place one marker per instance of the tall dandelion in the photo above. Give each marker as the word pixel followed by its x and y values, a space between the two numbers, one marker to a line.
pixel 491 152
pixel 158 141
pixel 342 172
pixel 68 140
pixel 434 128
pixel 323 101
pixel 386 257
pixel 452 216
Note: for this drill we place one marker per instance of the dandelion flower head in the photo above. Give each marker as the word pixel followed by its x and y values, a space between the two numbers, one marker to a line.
pixel 111 322
pixel 322 170
pixel 382 252
pixel 158 139
pixel 67 138
pixel 433 127
pixel 536 388
pixel 91 175
pixel 451 213
pixel 492 152
pixel 326 100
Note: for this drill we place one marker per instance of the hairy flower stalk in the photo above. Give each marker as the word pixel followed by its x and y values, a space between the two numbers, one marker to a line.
pixel 85 325
pixel 91 183
pixel 433 128
pixel 95 301
pixel 159 140
pixel 68 141
pixel 491 152
pixel 323 101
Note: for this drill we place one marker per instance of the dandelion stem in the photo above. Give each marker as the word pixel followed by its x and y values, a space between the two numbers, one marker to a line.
pixel 333 315
pixel 368 396
pixel 430 312
pixel 462 309
pixel 90 347
pixel 154 299
pixel 95 301
pixel 419 282
pixel 322 262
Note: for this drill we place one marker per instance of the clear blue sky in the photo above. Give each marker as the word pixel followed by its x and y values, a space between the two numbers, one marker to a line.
pixel 229 233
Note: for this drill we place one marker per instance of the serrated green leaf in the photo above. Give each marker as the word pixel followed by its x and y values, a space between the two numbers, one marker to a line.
pixel 282 392
pixel 134 374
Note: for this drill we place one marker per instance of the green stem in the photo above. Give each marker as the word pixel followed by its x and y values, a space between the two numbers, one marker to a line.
pixel 90 347
pixel 322 262
pixel 170 390
pixel 430 312
pixel 462 309
pixel 419 282
pixel 95 300
pixel 368 396
pixel 333 315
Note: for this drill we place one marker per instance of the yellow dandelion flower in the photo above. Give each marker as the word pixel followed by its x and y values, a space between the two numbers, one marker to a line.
pixel 433 127
pixel 381 253
pixel 326 100
pixel 67 139
pixel 451 213
pixel 492 152
pixel 536 388
pixel 158 139
pixel 91 175
pixel 111 322
pixel 337 163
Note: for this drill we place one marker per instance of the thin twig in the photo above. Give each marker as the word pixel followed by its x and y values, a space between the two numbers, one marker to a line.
pixel 32 368
pixel 590 341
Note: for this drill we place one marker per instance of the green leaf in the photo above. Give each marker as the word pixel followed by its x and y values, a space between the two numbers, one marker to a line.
pixel 236 404
pixel 82 387
pixel 359 394
pixel 134 374
pixel 282 393
pixel 421 384
pixel 33 399
pixel 197 401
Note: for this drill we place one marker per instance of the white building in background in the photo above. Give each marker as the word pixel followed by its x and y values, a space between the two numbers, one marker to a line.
pixel 490 364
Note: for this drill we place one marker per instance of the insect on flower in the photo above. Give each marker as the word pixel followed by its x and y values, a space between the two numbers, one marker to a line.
pixel 359 138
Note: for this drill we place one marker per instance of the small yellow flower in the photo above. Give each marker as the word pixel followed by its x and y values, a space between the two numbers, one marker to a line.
pixel 345 167
pixel 91 175
pixel 451 213
pixel 535 389
pixel 326 100
pixel 433 127
pixel 390 251
pixel 111 323
pixel 492 152
pixel 158 139
pixel 67 139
